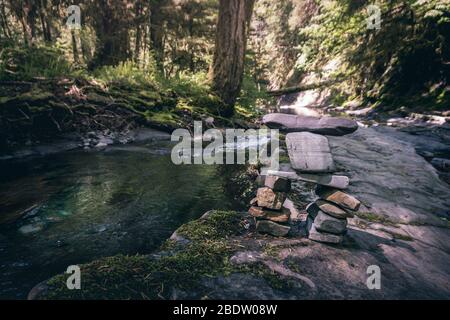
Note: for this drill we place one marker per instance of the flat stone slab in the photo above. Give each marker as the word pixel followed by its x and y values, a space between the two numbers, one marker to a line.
pixel 326 223
pixel 309 152
pixel 332 126
pixel 315 235
pixel 272 228
pixel 272 215
pixel 333 210
pixel 338 182
pixel 338 197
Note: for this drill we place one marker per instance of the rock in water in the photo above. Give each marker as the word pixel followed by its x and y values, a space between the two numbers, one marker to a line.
pixel 309 152
pixel 326 125
pixel 338 197
pixel 278 183
pixel 275 229
pixel 272 215
pixel 326 223
pixel 315 235
pixel 270 199
pixel 333 210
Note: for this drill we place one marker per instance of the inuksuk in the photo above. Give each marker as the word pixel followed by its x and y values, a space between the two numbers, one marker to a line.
pixel 310 161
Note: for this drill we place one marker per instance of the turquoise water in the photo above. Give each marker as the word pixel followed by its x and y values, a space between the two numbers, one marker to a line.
pixel 78 206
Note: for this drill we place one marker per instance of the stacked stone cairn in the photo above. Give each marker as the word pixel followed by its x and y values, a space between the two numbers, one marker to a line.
pixel 311 161
pixel 269 209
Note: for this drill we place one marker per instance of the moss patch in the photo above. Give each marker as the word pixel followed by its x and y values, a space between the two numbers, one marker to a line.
pixel 213 240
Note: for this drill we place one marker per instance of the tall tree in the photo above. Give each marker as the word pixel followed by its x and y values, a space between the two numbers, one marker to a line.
pixel 157 8
pixel 227 69
pixel 111 19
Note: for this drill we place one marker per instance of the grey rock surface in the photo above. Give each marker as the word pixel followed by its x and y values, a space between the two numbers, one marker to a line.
pixel 309 152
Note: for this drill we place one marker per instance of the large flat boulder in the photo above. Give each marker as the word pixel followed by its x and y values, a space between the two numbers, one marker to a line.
pixel 309 152
pixel 326 125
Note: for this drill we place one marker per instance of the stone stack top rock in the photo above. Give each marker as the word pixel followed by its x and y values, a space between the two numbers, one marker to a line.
pixel 326 125
pixel 309 152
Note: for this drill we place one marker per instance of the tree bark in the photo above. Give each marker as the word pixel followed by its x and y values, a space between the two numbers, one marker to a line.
pixel 157 31
pixel 111 27
pixel 227 69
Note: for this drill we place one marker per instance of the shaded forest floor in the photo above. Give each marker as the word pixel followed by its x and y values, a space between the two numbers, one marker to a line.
pixel 40 111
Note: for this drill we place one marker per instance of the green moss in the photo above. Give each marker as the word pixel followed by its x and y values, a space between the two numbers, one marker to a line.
pixel 369 216
pixel 218 225
pixel 139 277
pixel 163 118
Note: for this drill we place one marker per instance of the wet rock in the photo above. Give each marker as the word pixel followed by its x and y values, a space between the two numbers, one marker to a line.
pixel 338 197
pixel 270 199
pixel 309 152
pixel 315 235
pixel 333 210
pixel 278 183
pixel 272 215
pixel 326 223
pixel 325 125
pixel 272 228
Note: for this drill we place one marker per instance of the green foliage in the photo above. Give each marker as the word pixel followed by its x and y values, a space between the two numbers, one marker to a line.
pixel 405 57
pixel 27 63
pixel 128 72
pixel 253 99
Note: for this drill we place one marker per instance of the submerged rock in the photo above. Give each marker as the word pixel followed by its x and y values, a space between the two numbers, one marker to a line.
pixel 325 125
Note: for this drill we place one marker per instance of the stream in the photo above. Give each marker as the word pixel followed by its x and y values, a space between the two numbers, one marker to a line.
pixel 74 207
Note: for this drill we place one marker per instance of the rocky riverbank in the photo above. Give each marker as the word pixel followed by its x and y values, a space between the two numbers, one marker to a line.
pixel 402 226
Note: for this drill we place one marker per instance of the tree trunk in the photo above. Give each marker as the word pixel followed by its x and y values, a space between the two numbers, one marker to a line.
pixel 227 69
pixel 137 22
pixel 76 58
pixel 157 31
pixel 111 27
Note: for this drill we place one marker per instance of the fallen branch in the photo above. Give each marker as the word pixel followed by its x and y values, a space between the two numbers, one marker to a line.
pixel 306 87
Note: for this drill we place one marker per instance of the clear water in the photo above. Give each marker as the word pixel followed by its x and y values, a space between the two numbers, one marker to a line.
pixel 85 205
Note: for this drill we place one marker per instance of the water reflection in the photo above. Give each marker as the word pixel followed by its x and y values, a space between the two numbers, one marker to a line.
pixel 79 206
